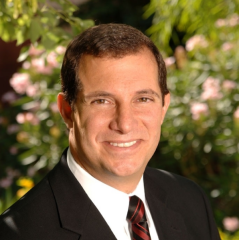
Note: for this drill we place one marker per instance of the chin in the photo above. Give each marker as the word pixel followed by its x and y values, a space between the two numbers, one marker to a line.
pixel 128 170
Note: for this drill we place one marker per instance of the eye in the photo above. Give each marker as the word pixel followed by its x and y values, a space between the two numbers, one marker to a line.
pixel 100 101
pixel 144 99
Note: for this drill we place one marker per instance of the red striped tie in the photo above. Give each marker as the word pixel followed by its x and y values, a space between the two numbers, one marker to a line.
pixel 136 216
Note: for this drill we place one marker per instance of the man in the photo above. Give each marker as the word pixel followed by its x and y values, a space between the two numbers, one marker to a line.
pixel 114 99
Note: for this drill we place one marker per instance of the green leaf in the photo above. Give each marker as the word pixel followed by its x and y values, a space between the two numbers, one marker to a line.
pixel 1 28
pixel 35 30
pixel 47 42
pixel 22 100
pixel 53 37
pixel 8 32
pixel 34 5
pixel 88 23
pixel 26 154
pixel 20 38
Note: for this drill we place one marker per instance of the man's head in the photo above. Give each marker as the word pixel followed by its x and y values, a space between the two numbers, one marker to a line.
pixel 106 40
pixel 115 126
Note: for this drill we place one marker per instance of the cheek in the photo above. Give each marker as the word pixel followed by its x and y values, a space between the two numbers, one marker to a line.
pixel 154 128
pixel 152 120
pixel 93 125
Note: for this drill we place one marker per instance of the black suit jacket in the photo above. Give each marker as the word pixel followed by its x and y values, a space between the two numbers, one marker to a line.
pixel 59 209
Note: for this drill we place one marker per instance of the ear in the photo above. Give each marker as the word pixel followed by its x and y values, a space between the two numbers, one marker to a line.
pixel 65 110
pixel 165 106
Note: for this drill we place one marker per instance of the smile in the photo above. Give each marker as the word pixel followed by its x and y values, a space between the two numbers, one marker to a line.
pixel 127 144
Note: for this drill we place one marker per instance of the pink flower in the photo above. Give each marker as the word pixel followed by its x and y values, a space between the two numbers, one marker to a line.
pixel 60 50
pixel 211 89
pixel 231 223
pixel 13 150
pixel 236 113
pixel 196 41
pixel 169 61
pixel 26 65
pixel 40 67
pixel 30 117
pixel 32 90
pixel 13 128
pixel 5 182
pixel 221 22
pixel 54 107
pixel 9 97
pixel 20 118
pixel 31 171
pixel 19 82
pixel 51 60
pixel 234 20
pixel 34 51
pixel 227 46
pixel 229 85
pixel 11 173
pixel 27 117
pixel 198 109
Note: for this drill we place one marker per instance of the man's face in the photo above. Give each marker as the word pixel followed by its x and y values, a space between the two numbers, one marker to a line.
pixel 116 123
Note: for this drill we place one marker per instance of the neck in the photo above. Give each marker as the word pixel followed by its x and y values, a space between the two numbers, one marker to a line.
pixel 123 184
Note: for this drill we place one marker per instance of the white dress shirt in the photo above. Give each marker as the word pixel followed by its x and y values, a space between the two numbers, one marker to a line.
pixel 105 198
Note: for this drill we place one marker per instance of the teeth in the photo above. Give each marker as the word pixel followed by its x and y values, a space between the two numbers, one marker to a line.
pixel 127 144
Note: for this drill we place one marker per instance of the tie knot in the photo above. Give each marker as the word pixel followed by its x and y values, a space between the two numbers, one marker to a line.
pixel 136 211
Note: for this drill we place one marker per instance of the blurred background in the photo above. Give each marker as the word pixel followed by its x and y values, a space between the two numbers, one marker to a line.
pixel 199 40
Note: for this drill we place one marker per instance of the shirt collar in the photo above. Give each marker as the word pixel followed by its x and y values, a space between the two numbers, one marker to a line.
pixel 105 197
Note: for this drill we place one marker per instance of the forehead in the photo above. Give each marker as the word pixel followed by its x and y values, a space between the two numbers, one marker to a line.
pixel 143 58
pixel 124 76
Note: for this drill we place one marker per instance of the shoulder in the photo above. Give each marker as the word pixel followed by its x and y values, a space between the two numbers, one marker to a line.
pixel 176 191
pixel 170 181
pixel 36 194
pixel 184 198
pixel 29 212
pixel 35 202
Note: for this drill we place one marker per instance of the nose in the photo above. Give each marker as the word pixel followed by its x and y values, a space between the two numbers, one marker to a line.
pixel 124 120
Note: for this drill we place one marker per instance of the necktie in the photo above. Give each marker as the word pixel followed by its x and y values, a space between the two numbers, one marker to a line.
pixel 136 215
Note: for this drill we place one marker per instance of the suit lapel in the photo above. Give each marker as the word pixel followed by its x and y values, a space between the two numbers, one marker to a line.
pixel 169 224
pixel 78 214
pixel 76 211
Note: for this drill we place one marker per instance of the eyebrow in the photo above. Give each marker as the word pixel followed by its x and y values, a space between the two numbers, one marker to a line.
pixel 107 94
pixel 148 91
pixel 97 94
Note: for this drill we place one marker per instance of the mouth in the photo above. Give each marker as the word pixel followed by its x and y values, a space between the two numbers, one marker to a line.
pixel 123 145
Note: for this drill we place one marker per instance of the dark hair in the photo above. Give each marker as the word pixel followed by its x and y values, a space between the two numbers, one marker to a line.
pixel 105 40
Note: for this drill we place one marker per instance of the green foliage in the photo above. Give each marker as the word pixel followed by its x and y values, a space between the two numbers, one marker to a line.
pixel 176 19
pixel 228 235
pixel 32 132
pixel 39 20
pixel 200 136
